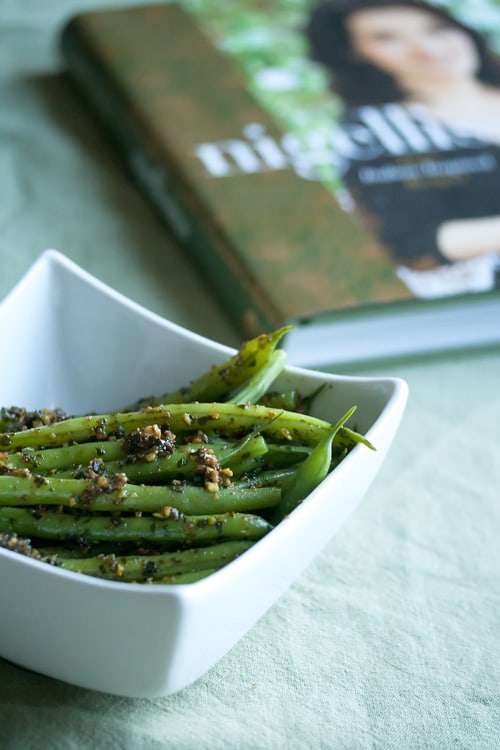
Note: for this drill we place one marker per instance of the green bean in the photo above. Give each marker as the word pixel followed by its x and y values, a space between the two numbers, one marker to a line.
pixel 224 418
pixel 50 460
pixel 140 568
pixel 221 380
pixel 304 403
pixel 96 495
pixel 291 400
pixel 285 454
pixel 72 460
pixel 257 386
pixel 347 439
pixel 310 473
pixel 184 463
pixel 288 400
pixel 181 578
pixel 16 418
pixel 267 478
pixel 176 528
pixel 277 456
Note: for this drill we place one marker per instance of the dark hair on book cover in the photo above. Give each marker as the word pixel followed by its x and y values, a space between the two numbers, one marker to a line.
pixel 359 82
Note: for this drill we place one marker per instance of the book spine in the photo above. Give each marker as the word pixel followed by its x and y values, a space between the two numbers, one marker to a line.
pixel 174 198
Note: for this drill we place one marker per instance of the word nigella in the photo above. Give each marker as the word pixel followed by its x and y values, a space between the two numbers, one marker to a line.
pixel 375 133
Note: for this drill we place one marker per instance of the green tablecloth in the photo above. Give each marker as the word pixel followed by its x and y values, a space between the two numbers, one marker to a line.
pixel 390 639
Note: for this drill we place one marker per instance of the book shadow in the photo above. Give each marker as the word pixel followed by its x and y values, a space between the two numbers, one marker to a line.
pixel 163 258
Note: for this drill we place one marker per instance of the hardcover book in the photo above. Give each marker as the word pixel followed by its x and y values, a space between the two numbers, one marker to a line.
pixel 334 166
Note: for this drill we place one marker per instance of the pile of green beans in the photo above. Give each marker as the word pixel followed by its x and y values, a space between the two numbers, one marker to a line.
pixel 170 488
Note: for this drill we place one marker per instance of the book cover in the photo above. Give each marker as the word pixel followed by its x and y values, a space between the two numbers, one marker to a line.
pixel 306 188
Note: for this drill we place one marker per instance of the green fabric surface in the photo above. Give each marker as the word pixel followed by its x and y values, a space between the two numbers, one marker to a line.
pixel 390 639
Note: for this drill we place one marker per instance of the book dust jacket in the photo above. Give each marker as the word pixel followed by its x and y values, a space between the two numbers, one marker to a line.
pixel 307 175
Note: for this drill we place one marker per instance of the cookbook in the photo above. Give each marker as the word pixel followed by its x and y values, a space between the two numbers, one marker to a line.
pixel 297 165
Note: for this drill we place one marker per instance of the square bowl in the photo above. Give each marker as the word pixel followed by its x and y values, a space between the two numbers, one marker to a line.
pixel 75 343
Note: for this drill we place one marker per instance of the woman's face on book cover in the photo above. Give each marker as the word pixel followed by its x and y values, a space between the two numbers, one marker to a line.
pixel 411 45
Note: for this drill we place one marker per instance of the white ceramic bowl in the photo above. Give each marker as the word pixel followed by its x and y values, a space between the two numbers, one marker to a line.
pixel 68 340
